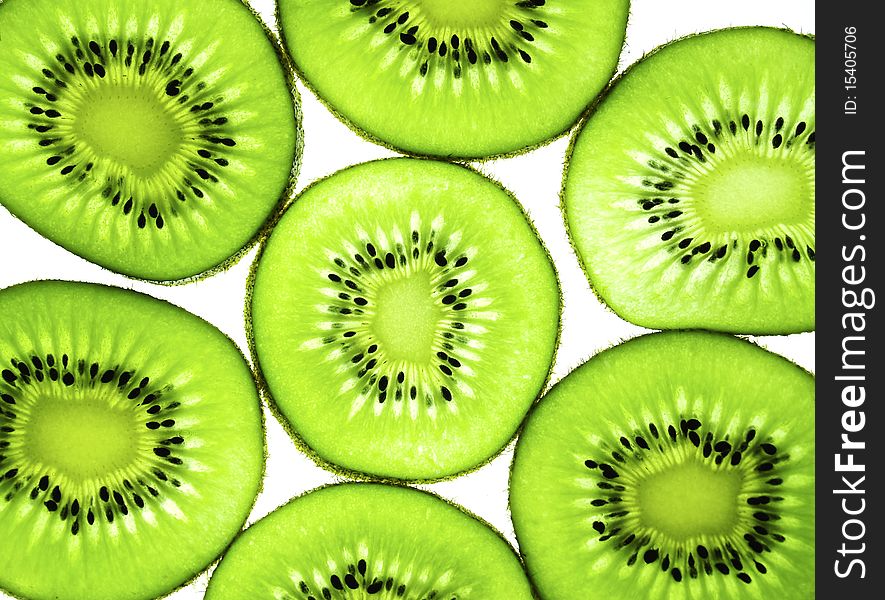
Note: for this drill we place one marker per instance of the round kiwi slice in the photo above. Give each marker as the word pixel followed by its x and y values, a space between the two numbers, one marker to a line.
pixel 154 138
pixel 405 316
pixel 677 465
pixel 360 540
pixel 131 443
pixel 689 192
pixel 456 78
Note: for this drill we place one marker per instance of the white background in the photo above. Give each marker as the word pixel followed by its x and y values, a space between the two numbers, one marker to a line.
pixel 535 180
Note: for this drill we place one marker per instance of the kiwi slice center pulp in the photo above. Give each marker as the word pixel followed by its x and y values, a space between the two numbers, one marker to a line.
pixel 90 443
pixel 130 125
pixel 742 178
pixel 412 310
pixel 747 193
pixel 89 438
pixel 406 318
pixel 689 500
pixel 133 115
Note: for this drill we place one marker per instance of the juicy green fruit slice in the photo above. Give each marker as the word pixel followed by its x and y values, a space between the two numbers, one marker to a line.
pixel 673 466
pixel 369 541
pixel 689 193
pixel 137 136
pixel 131 445
pixel 405 317
pixel 467 78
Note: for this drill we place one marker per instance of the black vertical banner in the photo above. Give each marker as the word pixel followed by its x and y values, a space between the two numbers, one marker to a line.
pixel 849 360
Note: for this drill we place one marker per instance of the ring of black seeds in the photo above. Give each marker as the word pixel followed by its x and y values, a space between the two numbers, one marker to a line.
pixel 743 553
pixel 100 500
pixel 79 67
pixel 351 279
pixel 668 209
pixel 456 51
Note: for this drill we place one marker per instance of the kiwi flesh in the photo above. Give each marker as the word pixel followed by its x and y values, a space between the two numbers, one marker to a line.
pixel 677 465
pixel 456 78
pixel 131 443
pixel 354 541
pixel 404 315
pixel 154 138
pixel 689 190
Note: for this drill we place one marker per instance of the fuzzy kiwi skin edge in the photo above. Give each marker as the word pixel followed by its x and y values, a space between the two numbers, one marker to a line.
pixel 591 110
pixel 261 420
pixel 272 405
pixel 449 157
pixel 264 231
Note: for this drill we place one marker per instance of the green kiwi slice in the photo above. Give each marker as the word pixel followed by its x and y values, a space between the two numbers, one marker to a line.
pixel 131 443
pixel 456 78
pixel 362 540
pixel 405 316
pixel 677 465
pixel 689 191
pixel 154 138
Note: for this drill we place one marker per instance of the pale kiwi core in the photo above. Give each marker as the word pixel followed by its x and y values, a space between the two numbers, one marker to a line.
pixel 689 500
pixel 406 318
pixel 88 440
pixel 130 126
pixel 455 13
pixel 749 192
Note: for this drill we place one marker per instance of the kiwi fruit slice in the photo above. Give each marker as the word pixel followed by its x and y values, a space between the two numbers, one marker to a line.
pixel 405 316
pixel 689 190
pixel 456 78
pixel 131 443
pixel 363 540
pixel 677 465
pixel 154 138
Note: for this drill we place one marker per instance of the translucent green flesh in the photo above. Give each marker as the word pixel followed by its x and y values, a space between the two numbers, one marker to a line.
pixel 136 137
pixel 695 207
pixel 468 79
pixel 358 541
pixel 410 322
pixel 128 429
pixel 674 466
